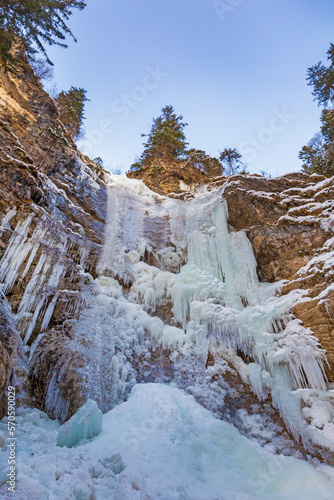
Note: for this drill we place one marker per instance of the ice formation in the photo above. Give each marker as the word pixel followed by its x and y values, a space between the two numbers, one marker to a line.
pixel 159 444
pixel 84 424
pixel 161 250
pixel 173 275
pixel 41 294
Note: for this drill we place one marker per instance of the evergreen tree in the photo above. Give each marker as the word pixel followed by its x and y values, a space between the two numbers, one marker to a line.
pixel 231 160
pixel 136 166
pixel 318 154
pixel 313 155
pixel 98 161
pixel 71 105
pixel 35 23
pixel 327 125
pixel 7 39
pixel 166 138
pixel 321 78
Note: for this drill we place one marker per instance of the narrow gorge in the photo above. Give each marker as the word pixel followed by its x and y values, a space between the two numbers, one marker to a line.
pixel 195 313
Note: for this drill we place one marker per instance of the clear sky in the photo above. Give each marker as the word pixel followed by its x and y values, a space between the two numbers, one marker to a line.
pixel 235 69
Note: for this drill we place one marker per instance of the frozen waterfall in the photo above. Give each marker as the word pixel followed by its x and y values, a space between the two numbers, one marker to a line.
pixel 177 302
pixel 174 276
pixel 162 251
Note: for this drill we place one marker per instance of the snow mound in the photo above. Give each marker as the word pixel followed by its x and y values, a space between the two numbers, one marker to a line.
pixel 159 444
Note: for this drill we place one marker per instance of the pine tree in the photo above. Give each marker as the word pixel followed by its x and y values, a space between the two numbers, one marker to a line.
pixel 231 160
pixel 71 105
pixel 327 127
pixel 166 138
pixel 34 23
pixel 321 78
pixel 318 154
pixel 7 39
pixel 99 162
pixel 313 155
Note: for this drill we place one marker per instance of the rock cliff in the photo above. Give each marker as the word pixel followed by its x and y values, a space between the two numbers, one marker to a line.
pixel 52 205
pixel 53 211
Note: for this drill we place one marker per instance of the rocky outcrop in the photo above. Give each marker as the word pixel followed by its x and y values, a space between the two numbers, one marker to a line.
pixel 290 223
pixel 165 176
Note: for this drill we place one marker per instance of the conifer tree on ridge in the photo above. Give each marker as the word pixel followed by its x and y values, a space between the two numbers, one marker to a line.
pixel 166 138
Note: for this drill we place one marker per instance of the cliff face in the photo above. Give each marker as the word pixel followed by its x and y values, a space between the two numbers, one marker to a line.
pixel 52 205
pixel 62 298
pixel 290 223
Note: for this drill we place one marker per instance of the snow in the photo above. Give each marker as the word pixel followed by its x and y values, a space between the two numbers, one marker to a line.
pixel 310 187
pixel 183 186
pixel 158 444
pixel 319 412
pixel 323 262
pixel 310 212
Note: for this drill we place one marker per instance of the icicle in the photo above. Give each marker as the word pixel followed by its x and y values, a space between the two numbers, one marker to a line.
pixel 84 253
pixel 255 374
pixel 55 403
pixel 6 219
pixel 21 254
pixel 16 253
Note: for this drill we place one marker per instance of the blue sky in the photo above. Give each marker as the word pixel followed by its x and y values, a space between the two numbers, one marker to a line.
pixel 235 69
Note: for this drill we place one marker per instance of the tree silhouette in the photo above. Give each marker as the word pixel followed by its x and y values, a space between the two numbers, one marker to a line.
pixel 166 138
pixel 231 160
pixel 34 23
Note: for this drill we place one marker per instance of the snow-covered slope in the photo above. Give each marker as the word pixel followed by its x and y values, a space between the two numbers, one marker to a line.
pixel 159 444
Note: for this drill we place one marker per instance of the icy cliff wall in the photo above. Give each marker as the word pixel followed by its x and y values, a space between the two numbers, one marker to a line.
pixel 289 222
pixel 174 277
pixel 52 213
pixel 105 282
